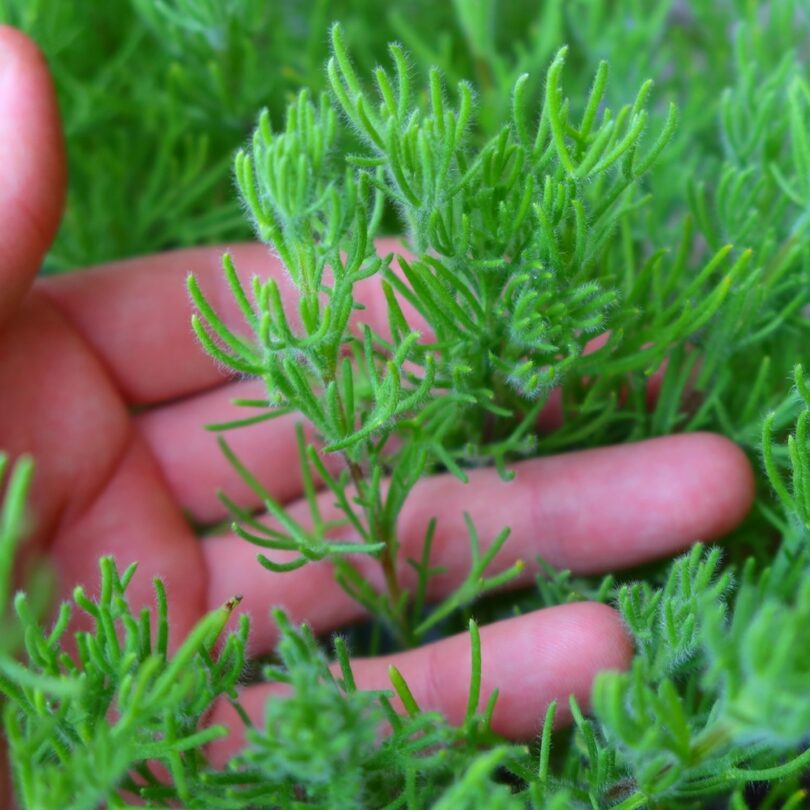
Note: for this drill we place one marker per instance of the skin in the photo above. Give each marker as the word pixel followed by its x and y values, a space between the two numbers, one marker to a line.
pixel 104 384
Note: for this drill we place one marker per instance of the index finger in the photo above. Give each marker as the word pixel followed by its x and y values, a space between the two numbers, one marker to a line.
pixel 136 314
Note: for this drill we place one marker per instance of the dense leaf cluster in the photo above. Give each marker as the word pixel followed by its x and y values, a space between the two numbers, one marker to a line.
pixel 563 230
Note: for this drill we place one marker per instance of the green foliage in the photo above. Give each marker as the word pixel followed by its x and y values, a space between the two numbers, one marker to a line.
pixel 322 742
pixel 88 721
pixel 321 738
pixel 113 717
pixel 566 230
pixel 12 527
pixel 719 680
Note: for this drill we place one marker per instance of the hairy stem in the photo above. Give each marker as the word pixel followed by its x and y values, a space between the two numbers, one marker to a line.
pixel 388 554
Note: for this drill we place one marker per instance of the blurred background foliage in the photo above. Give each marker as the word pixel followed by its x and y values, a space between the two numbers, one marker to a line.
pixel 156 95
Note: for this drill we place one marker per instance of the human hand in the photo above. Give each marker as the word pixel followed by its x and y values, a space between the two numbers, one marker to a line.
pixel 103 383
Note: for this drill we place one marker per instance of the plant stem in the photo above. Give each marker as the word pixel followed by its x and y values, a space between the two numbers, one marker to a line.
pixel 388 554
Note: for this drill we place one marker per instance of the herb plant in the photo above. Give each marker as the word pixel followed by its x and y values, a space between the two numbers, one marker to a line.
pixel 566 232
pixel 506 267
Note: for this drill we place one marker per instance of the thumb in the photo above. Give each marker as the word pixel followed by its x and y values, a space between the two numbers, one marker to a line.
pixel 32 165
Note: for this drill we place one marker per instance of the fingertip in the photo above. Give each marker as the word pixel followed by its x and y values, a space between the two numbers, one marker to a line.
pixel 12 39
pixel 609 643
pixel 560 651
pixel 33 187
pixel 602 643
pixel 728 472
pixel 646 500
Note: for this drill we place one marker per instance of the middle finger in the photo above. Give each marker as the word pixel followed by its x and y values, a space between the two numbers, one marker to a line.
pixel 588 511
